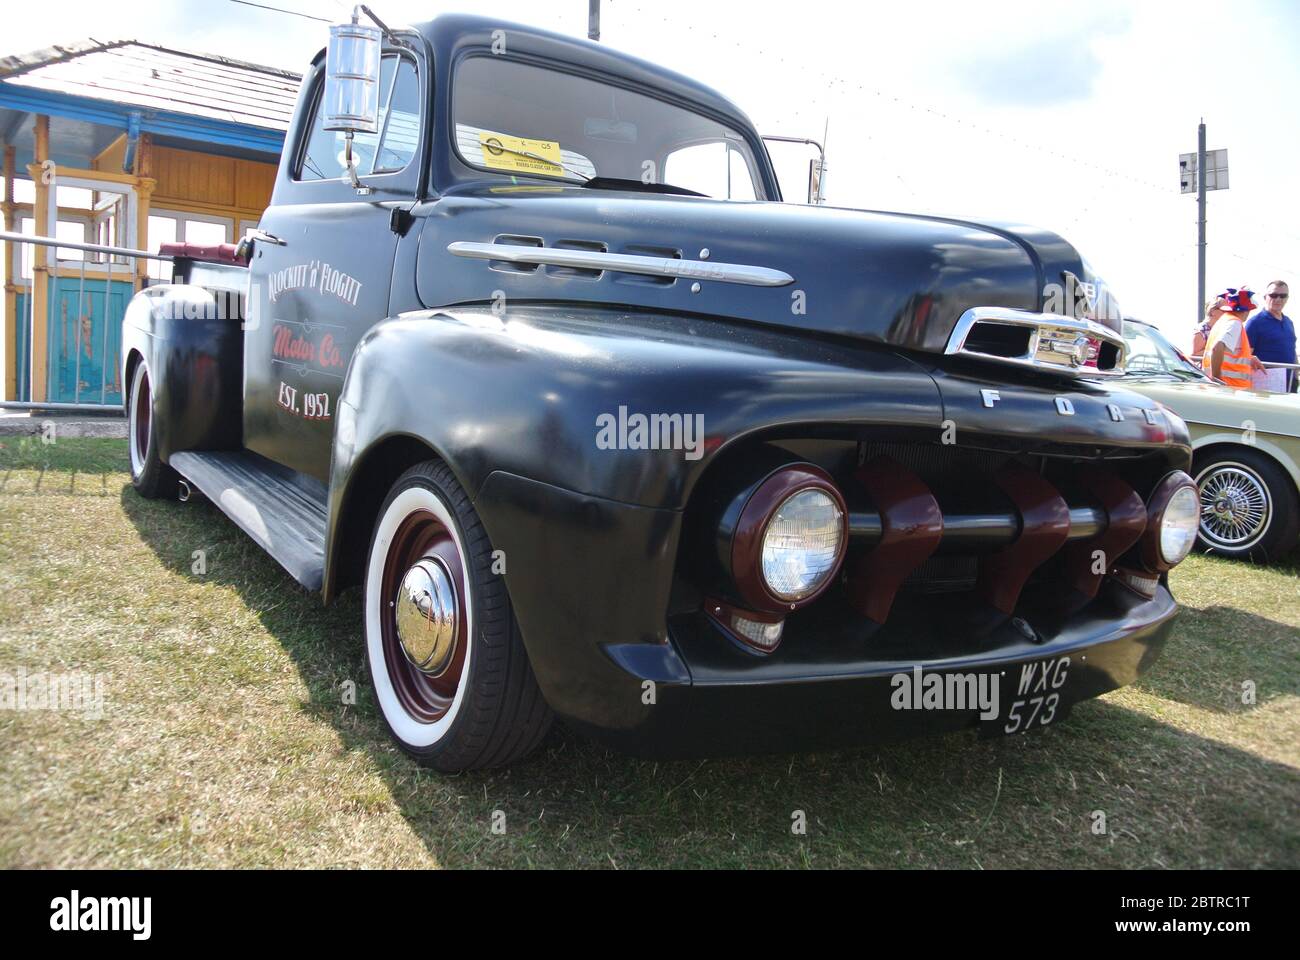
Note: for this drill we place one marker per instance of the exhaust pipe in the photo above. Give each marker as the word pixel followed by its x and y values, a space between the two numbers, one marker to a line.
pixel 184 491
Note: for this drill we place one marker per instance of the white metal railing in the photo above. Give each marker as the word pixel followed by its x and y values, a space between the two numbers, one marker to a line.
pixel 1267 365
pixel 129 274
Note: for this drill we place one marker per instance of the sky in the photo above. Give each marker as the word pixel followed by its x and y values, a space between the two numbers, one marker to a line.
pixel 1069 116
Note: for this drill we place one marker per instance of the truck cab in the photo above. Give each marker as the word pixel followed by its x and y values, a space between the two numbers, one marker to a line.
pixel 536 356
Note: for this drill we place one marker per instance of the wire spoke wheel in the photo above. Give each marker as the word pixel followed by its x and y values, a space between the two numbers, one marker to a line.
pixel 1235 506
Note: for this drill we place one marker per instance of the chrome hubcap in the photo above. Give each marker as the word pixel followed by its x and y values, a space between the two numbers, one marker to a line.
pixel 427 616
pixel 1235 506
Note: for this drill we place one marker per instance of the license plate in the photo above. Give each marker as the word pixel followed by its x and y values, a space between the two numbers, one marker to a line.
pixel 1032 695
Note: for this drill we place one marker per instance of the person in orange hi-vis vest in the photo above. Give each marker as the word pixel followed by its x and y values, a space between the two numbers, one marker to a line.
pixel 1228 357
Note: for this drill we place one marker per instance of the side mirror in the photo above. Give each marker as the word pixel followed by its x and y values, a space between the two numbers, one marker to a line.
pixel 816 181
pixel 351 100
pixel 816 167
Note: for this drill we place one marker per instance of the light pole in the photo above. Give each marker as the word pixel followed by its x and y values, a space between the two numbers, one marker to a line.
pixel 1200 219
pixel 1198 173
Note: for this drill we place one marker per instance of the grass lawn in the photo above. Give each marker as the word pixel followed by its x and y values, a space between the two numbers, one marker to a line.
pixel 224 740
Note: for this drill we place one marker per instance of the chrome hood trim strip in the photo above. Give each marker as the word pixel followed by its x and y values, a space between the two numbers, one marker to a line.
pixel 624 263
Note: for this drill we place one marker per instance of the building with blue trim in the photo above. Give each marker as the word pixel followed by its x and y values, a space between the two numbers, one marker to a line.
pixel 124 144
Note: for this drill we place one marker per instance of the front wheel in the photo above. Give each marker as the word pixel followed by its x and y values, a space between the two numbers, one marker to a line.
pixel 1249 508
pixel 449 669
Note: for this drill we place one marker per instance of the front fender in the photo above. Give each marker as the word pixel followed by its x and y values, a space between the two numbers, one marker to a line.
pixel 514 405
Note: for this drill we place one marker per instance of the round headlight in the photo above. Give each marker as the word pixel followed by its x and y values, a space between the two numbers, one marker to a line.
pixel 801 545
pixel 1173 520
pixel 1178 526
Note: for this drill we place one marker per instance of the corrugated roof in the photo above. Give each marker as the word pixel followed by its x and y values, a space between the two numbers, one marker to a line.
pixel 158 78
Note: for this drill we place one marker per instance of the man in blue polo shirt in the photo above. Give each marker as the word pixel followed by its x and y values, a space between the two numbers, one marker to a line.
pixel 1271 333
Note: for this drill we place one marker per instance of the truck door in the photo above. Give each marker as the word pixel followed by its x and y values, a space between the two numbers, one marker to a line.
pixel 322 276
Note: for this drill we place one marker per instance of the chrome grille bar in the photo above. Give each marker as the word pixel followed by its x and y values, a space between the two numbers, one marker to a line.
pixel 979 531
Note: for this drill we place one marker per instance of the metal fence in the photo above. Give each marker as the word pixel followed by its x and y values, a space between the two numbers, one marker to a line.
pixel 129 260
pixel 1270 365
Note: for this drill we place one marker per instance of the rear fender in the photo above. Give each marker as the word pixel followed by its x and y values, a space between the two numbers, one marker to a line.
pixel 191 340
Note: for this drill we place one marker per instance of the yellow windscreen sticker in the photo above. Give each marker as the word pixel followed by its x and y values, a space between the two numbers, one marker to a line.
pixel 501 152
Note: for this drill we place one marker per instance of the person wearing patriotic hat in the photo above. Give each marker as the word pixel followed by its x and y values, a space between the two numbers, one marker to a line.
pixel 1228 357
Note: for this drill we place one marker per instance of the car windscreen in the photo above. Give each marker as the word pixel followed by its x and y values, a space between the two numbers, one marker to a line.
pixel 1150 354
pixel 521 119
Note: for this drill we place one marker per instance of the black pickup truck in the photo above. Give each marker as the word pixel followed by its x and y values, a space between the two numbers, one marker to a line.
pixel 534 353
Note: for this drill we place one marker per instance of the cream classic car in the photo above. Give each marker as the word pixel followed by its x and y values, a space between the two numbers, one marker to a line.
pixel 1246 443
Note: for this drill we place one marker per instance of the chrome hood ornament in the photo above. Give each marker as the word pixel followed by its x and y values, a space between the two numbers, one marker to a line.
pixel 1041 341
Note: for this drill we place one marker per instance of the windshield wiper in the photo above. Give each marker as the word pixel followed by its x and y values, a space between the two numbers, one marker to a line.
pixel 1141 374
pixel 639 186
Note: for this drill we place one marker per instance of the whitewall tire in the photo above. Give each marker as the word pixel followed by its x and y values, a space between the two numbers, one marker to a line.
pixel 450 673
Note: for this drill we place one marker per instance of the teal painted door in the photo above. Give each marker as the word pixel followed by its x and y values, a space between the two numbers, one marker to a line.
pixel 86 340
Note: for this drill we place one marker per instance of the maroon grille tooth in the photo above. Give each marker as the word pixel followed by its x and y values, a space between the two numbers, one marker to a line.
pixel 1126 519
pixel 911 528
pixel 1044 527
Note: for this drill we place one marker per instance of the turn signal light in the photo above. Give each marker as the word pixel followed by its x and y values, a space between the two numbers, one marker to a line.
pixel 1141 583
pixel 758 632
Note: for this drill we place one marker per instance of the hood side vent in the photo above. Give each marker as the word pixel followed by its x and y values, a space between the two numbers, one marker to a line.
pixel 506 266
pixel 582 273
pixel 646 250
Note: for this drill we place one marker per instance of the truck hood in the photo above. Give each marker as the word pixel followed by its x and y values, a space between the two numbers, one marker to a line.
pixel 896 279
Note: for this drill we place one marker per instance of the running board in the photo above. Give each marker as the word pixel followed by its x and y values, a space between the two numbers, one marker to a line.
pixel 282 510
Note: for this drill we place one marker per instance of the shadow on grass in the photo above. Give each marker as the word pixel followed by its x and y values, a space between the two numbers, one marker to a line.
pixel 1217 653
pixel 1169 798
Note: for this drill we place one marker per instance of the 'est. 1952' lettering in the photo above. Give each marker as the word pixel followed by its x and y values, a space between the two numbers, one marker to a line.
pixel 315 406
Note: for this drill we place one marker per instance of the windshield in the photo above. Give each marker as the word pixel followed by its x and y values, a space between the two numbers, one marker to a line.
pixel 520 119
pixel 1151 355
